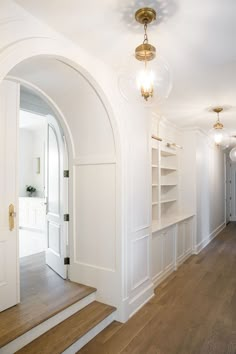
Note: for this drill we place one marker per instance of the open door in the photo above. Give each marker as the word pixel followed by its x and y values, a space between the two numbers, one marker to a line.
pixel 9 111
pixel 56 226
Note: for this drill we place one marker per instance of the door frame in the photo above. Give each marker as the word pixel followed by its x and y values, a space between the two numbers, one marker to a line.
pixel 69 150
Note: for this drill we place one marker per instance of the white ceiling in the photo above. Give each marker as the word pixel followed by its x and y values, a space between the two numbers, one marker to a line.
pixel 195 37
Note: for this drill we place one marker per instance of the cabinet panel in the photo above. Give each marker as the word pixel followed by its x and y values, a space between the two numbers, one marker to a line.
pixel 32 213
pixel 184 240
pixel 188 236
pixel 157 254
pixel 180 240
pixel 169 249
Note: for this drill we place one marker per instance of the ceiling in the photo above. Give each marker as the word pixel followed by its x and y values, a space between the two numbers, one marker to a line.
pixel 195 37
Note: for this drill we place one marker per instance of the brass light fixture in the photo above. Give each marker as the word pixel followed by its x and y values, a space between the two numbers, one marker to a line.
pixel 145 52
pixel 218 124
pixel 218 131
pixel 145 74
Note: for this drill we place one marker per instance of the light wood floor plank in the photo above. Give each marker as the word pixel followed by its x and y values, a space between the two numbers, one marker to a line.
pixel 43 294
pixel 193 311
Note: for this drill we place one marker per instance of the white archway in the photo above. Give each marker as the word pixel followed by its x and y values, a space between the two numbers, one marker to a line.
pixel 106 279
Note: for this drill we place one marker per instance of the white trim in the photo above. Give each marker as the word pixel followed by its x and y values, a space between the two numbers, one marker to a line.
pixel 157 279
pixel 95 160
pixel 95 266
pixel 90 335
pixel 181 259
pixel 43 327
pixel 199 247
pixel 137 302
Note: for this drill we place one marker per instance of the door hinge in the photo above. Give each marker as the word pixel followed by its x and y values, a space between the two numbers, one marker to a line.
pixel 66 173
pixel 66 217
pixel 230 198
pixel 67 260
pixel 230 181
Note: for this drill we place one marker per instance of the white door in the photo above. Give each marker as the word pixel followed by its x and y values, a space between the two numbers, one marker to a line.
pixel 9 258
pixel 56 227
pixel 233 191
pixel 228 190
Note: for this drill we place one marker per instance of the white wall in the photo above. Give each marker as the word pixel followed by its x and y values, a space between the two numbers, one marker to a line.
pixel 31 147
pixel 204 185
pixel 210 189
pixel 25 160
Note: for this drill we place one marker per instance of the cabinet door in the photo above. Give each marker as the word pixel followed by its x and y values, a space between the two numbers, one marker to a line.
pixel 188 225
pixel 180 240
pixel 169 248
pixel 157 254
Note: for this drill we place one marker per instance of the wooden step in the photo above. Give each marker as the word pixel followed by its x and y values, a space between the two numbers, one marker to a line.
pixel 65 334
pixel 37 310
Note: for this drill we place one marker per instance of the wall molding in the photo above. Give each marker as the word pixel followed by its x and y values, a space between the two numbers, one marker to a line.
pixel 137 302
pixel 201 245
pixel 95 160
pixel 105 269
pixel 134 285
pixel 158 278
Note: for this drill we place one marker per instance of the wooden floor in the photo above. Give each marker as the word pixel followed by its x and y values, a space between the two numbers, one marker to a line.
pixel 193 312
pixel 43 294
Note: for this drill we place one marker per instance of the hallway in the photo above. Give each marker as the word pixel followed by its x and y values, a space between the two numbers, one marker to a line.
pixel 193 312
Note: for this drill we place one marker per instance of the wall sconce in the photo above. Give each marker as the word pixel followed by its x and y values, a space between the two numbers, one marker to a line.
pixel 145 75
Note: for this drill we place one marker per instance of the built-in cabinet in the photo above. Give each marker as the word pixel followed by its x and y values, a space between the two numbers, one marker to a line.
pixel 171 246
pixel 32 222
pixel 32 213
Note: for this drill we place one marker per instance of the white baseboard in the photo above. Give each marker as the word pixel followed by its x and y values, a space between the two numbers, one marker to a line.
pixel 183 258
pixel 137 302
pixel 199 247
pixel 157 279
pixel 37 331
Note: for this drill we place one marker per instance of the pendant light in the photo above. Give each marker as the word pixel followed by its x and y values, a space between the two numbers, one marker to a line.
pixel 218 133
pixel 145 76
pixel 232 154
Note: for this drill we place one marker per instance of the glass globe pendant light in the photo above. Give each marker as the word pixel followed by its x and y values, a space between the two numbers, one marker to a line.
pixel 218 133
pixel 232 154
pixel 144 75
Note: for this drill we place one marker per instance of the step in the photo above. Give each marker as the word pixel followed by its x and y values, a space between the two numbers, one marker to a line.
pixel 73 333
pixel 24 322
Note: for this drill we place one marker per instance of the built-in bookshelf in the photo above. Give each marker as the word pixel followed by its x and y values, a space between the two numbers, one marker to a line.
pixel 164 180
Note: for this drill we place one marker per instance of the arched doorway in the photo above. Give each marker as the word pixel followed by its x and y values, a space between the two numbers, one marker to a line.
pixel 94 180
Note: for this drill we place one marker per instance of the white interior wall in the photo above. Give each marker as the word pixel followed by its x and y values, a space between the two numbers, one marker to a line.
pixel 203 185
pixel 26 175
pixel 39 152
pixel 210 189
pixel 32 146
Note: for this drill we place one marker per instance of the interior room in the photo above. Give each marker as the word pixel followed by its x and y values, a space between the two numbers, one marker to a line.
pixel 117 170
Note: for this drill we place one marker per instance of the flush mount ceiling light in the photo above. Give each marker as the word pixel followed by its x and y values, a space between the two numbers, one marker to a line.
pixel 145 75
pixel 218 132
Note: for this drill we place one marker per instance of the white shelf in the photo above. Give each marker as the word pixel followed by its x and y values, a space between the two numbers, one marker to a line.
pixel 155 203
pixel 168 200
pixel 168 168
pixel 154 166
pixel 154 185
pixel 167 153
pixel 168 221
pixel 168 184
